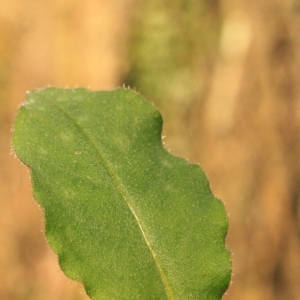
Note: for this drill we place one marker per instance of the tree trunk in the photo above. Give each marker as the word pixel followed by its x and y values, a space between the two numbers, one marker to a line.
pixel 250 145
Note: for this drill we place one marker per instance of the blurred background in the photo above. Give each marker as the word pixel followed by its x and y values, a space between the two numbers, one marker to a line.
pixel 226 76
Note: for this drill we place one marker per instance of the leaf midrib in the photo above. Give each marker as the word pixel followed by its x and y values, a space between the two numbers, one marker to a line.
pixel 117 182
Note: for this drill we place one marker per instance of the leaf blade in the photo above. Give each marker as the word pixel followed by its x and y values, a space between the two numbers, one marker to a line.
pixel 109 143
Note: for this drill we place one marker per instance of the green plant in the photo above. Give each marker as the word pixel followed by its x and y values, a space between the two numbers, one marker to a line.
pixel 125 217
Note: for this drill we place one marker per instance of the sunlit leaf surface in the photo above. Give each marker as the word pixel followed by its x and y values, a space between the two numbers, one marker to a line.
pixel 125 217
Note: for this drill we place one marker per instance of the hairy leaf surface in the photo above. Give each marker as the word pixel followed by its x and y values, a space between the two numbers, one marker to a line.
pixel 125 217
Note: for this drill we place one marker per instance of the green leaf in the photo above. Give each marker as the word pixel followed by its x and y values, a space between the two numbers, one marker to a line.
pixel 125 217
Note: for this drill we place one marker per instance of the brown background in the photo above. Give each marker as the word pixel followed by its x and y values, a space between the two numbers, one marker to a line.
pixel 225 75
